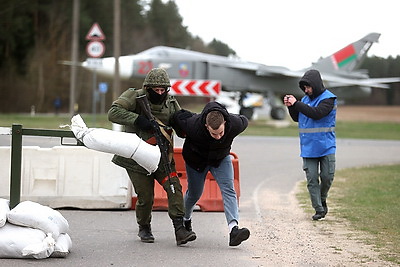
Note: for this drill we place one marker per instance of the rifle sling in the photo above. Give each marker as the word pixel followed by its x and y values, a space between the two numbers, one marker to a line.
pixel 169 138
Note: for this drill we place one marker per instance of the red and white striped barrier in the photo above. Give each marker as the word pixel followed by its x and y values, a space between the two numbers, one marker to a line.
pixel 195 87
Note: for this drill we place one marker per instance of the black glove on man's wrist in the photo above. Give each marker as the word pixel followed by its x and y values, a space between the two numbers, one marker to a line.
pixel 143 123
pixel 183 114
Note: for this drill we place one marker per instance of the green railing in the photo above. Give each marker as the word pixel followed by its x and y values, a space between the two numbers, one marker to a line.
pixel 16 154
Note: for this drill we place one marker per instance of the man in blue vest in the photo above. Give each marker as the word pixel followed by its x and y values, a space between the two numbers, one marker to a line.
pixel 316 117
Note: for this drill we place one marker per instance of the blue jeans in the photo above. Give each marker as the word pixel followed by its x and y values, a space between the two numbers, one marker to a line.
pixel 223 175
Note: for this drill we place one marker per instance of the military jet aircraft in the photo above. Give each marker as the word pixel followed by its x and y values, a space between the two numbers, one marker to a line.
pixel 340 72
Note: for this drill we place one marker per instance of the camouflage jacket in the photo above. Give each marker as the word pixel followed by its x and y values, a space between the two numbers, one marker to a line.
pixel 125 110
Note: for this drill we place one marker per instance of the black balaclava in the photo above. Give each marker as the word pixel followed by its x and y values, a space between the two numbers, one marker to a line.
pixel 155 98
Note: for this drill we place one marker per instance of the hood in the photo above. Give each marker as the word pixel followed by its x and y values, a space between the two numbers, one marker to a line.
pixel 211 106
pixel 313 79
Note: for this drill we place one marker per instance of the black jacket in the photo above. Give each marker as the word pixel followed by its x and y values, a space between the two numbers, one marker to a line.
pixel 200 149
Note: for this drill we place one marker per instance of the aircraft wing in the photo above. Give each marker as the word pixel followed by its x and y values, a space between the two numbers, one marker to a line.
pixel 337 81
pixel 277 71
pixel 259 69
pixel 330 80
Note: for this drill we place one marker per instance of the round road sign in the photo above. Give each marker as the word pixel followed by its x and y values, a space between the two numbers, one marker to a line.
pixel 95 49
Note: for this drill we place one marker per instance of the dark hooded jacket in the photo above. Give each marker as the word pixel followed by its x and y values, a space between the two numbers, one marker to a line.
pixel 200 149
pixel 312 78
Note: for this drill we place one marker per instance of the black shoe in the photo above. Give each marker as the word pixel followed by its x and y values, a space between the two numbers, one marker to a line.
pixel 319 215
pixel 238 235
pixel 325 207
pixel 145 234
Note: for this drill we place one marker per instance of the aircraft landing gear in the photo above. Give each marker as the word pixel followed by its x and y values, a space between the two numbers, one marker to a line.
pixel 278 113
pixel 247 112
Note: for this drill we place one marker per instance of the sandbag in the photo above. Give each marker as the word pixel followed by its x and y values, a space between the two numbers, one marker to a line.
pixel 16 239
pixel 127 145
pixel 4 209
pixel 35 215
pixel 40 250
pixel 62 247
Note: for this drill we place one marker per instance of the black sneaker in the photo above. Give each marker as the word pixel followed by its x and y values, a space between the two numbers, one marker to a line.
pixel 238 235
pixel 325 207
pixel 145 234
pixel 319 215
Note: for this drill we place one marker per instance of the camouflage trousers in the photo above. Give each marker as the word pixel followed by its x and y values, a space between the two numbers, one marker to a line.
pixel 143 185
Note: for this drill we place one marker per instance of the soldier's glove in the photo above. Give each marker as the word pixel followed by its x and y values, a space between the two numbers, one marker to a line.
pixel 143 123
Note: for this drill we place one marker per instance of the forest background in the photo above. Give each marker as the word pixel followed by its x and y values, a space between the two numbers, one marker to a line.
pixel 36 36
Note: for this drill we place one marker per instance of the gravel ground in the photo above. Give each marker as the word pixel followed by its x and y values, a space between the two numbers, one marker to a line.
pixel 293 239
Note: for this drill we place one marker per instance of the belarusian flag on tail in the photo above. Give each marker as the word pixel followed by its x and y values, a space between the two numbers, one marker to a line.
pixel 344 56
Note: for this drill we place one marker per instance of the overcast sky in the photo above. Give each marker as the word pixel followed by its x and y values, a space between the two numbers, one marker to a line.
pixel 293 33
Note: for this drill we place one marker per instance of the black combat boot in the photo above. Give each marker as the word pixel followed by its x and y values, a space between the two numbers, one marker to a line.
pixel 188 226
pixel 182 235
pixel 145 234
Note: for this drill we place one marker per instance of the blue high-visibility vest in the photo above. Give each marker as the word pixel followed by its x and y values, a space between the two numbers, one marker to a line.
pixel 317 137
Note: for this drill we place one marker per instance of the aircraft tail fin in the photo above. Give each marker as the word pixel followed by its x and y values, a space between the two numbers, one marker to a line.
pixel 348 58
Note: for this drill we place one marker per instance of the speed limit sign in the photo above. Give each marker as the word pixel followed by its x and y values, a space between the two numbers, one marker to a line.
pixel 95 49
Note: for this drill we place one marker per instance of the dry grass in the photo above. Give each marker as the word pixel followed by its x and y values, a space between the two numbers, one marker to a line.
pixel 369 113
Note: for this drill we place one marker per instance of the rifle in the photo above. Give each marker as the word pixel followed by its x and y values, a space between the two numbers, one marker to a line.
pixel 161 140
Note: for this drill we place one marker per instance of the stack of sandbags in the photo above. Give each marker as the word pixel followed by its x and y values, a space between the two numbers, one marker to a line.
pixel 31 230
pixel 4 209
pixel 127 145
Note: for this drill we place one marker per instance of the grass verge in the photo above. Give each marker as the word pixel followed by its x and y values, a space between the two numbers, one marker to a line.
pixel 368 198
pixel 357 130
pixel 51 121
pixel 344 129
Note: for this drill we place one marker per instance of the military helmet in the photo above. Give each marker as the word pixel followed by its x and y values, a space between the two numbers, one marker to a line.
pixel 157 77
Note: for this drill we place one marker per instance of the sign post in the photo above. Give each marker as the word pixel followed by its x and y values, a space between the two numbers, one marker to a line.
pixel 95 50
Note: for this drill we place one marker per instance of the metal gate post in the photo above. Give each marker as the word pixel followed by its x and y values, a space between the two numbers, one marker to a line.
pixel 16 155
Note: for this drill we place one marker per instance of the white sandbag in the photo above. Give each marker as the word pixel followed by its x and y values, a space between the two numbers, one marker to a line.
pixel 40 250
pixel 62 247
pixel 127 145
pixel 14 239
pixel 31 214
pixel 4 209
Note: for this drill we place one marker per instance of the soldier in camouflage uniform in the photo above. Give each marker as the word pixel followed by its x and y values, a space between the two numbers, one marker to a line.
pixel 127 112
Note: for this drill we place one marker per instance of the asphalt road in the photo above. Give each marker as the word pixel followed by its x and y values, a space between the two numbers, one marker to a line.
pixel 268 166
